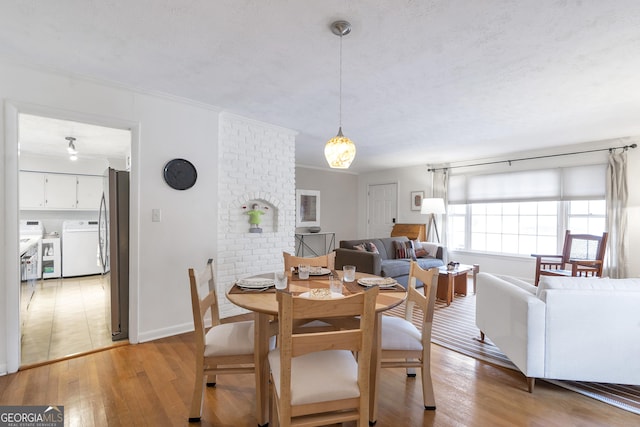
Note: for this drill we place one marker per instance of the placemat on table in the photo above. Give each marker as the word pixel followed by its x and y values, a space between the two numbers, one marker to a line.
pixel 235 289
pixel 354 287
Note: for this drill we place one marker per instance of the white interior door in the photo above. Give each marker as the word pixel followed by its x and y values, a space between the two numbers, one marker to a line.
pixel 383 209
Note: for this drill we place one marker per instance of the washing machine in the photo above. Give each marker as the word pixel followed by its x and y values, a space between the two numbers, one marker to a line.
pixel 80 251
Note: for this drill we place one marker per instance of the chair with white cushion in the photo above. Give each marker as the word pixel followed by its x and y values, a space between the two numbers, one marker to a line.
pixel 222 349
pixel 404 345
pixel 316 378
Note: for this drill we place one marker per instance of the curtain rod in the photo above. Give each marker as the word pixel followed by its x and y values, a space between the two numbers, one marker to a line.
pixel 625 148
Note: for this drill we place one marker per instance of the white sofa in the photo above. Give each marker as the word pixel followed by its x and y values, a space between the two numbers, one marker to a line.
pixel 568 328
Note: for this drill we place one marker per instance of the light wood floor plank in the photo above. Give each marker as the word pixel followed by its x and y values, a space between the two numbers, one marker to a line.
pixel 151 383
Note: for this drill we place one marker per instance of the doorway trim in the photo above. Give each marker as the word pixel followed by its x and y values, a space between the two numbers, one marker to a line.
pixel 12 209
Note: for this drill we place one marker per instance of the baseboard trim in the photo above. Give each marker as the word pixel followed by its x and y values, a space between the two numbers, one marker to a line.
pixel 165 332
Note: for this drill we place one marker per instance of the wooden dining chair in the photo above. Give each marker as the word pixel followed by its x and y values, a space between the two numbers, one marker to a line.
pixel 582 255
pixel 316 378
pixel 224 348
pixel 403 344
pixel 291 261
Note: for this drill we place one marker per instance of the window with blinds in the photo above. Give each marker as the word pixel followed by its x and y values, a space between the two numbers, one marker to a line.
pixel 525 212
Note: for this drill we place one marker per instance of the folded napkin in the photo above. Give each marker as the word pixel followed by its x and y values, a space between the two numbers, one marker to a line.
pixel 377 281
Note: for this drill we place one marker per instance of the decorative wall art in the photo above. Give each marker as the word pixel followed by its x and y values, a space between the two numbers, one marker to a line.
pixel 416 200
pixel 307 208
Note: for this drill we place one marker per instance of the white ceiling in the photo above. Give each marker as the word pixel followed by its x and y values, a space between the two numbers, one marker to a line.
pixel 424 82
pixel 47 136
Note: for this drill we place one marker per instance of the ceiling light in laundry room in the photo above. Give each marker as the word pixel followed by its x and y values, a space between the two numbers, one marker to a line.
pixel 73 153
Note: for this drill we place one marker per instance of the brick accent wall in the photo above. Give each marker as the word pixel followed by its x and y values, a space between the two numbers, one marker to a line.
pixel 257 165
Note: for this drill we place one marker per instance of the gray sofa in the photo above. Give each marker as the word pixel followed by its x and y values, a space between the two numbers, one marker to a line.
pixel 385 263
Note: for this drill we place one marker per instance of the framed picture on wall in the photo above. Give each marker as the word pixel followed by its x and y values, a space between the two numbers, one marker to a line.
pixel 307 208
pixel 416 200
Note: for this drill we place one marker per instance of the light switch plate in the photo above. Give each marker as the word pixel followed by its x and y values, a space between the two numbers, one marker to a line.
pixel 156 215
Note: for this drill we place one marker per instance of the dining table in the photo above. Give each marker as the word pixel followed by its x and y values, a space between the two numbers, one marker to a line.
pixel 262 301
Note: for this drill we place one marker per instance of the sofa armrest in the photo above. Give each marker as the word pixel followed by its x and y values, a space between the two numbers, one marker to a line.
pixel 514 319
pixel 365 262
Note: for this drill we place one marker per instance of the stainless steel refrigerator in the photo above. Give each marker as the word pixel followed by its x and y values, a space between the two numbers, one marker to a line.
pixel 113 239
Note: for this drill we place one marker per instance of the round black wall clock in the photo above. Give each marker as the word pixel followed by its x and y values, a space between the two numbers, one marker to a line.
pixel 180 174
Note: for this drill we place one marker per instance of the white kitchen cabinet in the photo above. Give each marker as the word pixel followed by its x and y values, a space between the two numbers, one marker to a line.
pixel 89 191
pixel 60 191
pixel 31 190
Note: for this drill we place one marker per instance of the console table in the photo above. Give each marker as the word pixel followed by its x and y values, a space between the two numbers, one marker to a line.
pixel 328 243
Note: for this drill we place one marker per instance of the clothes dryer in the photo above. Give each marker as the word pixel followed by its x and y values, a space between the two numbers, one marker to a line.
pixel 80 250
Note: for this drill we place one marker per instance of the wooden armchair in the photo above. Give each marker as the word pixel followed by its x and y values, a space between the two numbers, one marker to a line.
pixel 582 255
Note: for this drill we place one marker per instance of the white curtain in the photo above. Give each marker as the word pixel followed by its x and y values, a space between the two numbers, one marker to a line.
pixel 439 185
pixel 616 196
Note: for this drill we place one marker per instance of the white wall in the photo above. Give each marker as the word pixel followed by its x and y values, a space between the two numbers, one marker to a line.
pixel 413 178
pixel 338 203
pixel 164 128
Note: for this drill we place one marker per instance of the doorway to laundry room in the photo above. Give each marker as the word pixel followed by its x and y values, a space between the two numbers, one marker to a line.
pixel 65 288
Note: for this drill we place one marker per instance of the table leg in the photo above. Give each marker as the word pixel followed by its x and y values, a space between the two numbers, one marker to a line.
pixel 450 280
pixel 374 369
pixel 460 284
pixel 261 345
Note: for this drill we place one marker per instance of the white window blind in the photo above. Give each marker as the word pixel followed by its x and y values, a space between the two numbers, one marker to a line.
pixel 584 182
pixel 571 183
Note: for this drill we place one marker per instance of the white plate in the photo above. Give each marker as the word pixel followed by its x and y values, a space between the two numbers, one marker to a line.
pixel 319 271
pixel 383 282
pixel 332 296
pixel 255 283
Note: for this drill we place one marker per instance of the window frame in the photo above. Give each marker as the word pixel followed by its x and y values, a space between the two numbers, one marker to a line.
pixel 563 217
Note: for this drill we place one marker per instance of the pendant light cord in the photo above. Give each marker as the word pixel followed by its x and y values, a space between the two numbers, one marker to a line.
pixel 340 109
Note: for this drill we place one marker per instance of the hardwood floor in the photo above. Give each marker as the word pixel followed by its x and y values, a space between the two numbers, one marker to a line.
pixel 151 384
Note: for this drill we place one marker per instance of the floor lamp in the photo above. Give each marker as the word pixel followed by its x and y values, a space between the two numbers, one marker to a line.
pixel 432 207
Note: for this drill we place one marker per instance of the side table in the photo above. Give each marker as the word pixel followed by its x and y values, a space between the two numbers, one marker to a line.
pixel 301 244
pixel 454 281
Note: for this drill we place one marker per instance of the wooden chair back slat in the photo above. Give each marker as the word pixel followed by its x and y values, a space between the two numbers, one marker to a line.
pixel 291 261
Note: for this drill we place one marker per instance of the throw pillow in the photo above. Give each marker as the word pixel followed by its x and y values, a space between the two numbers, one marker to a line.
pixel 404 250
pixel 419 250
pixel 400 248
pixel 421 253
pixel 371 247
pixel 360 247
pixel 411 253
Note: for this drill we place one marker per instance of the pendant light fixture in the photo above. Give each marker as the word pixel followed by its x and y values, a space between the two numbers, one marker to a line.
pixel 73 153
pixel 340 150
